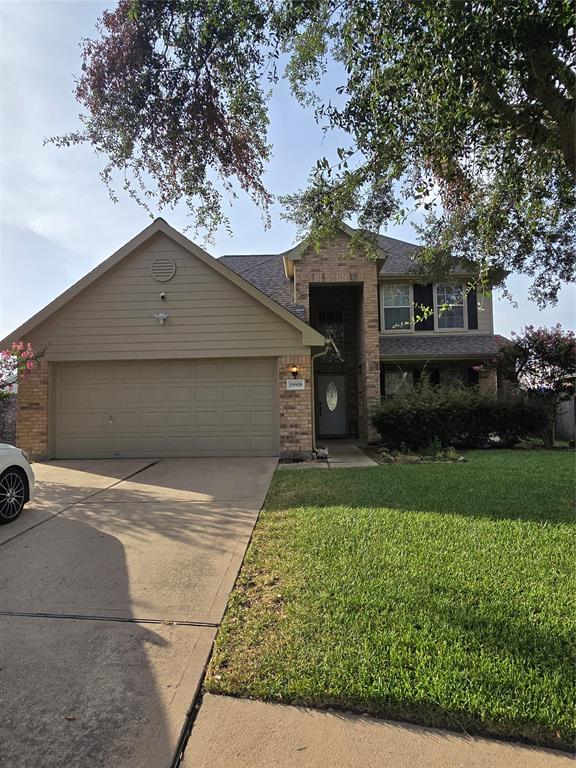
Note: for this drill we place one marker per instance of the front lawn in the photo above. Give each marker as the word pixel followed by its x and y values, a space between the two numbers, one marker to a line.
pixel 440 594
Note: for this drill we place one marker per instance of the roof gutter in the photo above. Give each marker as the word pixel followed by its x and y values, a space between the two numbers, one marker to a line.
pixel 313 390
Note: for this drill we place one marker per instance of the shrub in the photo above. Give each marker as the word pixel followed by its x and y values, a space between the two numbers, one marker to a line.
pixel 461 417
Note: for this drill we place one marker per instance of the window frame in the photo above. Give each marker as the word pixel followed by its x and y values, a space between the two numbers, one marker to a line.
pixel 383 328
pixel 342 320
pixel 406 375
pixel 460 329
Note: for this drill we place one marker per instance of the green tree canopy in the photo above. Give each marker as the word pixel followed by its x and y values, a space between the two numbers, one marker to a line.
pixel 464 109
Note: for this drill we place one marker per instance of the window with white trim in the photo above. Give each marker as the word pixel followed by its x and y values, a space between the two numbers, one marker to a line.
pixel 396 307
pixel 450 305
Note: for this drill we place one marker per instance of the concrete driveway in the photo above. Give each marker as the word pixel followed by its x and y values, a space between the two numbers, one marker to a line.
pixel 112 586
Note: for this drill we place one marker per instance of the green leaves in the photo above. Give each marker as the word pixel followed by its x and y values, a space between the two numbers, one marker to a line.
pixel 465 110
pixel 441 109
pixel 172 98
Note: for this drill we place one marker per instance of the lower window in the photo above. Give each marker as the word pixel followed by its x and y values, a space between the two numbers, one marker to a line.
pixel 397 380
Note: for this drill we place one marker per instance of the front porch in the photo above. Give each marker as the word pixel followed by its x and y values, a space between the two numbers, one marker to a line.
pixel 335 311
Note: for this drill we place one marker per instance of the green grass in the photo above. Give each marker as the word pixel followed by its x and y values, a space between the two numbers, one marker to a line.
pixel 440 594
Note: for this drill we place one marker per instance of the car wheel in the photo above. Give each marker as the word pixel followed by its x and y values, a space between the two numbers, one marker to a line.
pixel 13 494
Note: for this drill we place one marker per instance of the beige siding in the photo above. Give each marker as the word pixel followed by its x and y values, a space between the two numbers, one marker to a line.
pixel 485 314
pixel 209 316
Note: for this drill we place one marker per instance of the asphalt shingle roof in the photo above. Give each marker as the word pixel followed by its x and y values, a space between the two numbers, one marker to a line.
pixel 399 256
pixel 418 345
pixel 266 272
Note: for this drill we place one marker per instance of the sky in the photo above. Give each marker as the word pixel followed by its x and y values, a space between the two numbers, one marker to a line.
pixel 56 219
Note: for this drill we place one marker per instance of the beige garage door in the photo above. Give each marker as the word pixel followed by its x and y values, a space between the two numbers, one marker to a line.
pixel 166 408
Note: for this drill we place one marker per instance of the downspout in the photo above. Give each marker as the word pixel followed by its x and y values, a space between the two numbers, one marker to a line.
pixel 313 389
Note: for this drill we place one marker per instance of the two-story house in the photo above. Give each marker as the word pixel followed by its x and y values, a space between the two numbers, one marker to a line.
pixel 163 350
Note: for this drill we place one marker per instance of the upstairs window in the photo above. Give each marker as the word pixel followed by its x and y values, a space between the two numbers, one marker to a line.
pixel 450 305
pixel 331 325
pixel 396 307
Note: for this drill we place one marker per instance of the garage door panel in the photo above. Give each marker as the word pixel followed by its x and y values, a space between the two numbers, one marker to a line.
pixel 179 394
pixel 235 392
pixel 261 444
pixel 154 419
pixel 176 419
pixel 207 418
pixel 261 393
pixel 145 393
pixel 206 393
pixel 236 369
pixel 261 419
pixel 257 369
pixel 207 369
pixel 165 408
pixel 235 419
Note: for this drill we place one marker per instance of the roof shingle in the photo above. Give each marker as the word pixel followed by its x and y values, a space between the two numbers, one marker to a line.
pixel 453 345
pixel 399 256
pixel 266 272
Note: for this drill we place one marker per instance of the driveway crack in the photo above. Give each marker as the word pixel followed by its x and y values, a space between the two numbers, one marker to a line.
pixel 123 619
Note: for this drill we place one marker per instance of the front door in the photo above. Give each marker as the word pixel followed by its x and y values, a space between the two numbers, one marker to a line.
pixel 331 405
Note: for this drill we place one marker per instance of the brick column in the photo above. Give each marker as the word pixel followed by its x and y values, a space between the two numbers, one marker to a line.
pixel 488 382
pixel 370 373
pixel 295 408
pixel 32 412
pixel 335 265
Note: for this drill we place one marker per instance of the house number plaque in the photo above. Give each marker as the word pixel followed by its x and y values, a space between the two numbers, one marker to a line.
pixel 296 384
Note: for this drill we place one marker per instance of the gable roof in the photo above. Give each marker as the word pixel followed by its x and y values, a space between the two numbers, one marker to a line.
pixel 310 337
pixel 273 273
pixel 266 272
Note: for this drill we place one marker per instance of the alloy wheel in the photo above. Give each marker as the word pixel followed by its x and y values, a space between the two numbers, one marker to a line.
pixel 12 495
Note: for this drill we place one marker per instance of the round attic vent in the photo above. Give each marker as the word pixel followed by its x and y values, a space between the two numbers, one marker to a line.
pixel 163 269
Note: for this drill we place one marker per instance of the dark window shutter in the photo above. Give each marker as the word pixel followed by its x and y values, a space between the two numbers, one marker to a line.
pixel 434 377
pixel 472 377
pixel 423 297
pixel 472 310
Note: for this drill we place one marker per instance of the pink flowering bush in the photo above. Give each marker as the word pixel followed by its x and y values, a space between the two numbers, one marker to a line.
pixel 542 363
pixel 18 359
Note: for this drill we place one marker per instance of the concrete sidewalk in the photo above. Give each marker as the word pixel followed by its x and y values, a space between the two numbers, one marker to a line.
pixel 345 455
pixel 252 734
pixel 341 455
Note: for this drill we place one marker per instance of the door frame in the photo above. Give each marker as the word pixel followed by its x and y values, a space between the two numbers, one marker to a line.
pixel 321 435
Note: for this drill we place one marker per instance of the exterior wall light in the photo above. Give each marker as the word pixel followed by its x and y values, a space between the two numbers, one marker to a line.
pixel 294 371
pixel 161 317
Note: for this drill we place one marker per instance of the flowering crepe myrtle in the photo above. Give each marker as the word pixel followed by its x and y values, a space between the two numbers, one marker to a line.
pixel 18 360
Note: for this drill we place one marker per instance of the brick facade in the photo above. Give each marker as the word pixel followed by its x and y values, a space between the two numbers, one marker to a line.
pixel 336 265
pixel 295 407
pixel 32 412
pixel 488 382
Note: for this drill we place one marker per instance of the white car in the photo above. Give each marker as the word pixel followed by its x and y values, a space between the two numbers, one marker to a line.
pixel 16 482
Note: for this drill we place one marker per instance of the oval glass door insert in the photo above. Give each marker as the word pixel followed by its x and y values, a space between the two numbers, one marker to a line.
pixel 331 396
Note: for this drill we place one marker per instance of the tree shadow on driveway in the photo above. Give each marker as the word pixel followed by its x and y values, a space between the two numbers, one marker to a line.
pixel 82 693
